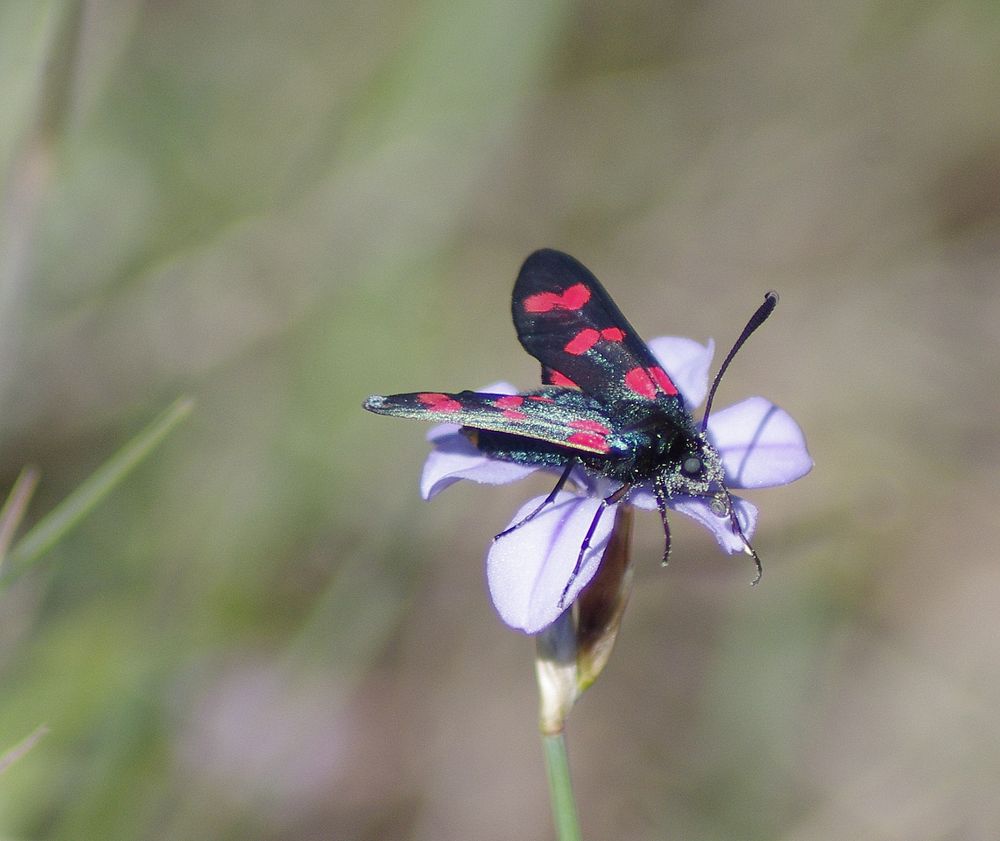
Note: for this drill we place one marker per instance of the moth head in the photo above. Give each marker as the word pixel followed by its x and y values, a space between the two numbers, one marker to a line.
pixel 694 468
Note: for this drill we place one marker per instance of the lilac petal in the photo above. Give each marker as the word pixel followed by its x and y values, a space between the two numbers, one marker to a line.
pixel 761 446
pixel 593 484
pixel 527 569
pixel 442 430
pixel 642 496
pixel 688 364
pixel 454 458
pixel 499 387
pixel 699 510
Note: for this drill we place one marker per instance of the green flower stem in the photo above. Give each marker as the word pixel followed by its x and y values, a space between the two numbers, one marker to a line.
pixel 570 654
pixel 561 787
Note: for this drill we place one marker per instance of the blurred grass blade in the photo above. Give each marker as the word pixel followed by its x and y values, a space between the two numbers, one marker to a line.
pixel 54 525
pixel 15 506
pixel 30 173
pixel 9 757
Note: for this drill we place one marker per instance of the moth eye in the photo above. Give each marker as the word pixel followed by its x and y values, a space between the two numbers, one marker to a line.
pixel 691 466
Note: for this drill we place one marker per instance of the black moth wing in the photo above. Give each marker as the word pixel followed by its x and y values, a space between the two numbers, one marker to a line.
pixel 568 322
pixel 557 415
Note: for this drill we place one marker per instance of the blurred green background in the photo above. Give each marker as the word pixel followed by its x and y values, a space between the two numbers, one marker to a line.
pixel 279 208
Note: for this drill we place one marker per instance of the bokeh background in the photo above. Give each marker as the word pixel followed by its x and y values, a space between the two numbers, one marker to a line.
pixel 278 208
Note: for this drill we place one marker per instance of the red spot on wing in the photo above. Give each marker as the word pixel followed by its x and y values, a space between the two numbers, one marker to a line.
pixel 571 299
pixel 509 404
pixel 590 440
pixel 592 434
pixel 439 402
pixel 590 426
pixel 639 381
pixel 662 380
pixel 582 341
pixel 555 378
pixel 647 382
pixel 588 337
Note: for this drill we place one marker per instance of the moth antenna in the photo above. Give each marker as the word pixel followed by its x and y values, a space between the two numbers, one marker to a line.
pixel 758 318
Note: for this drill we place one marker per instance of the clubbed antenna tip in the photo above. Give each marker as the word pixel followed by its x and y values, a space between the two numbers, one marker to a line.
pixel 758 318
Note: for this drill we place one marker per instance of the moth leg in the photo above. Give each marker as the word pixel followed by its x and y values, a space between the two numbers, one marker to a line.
pixel 738 529
pixel 547 501
pixel 661 504
pixel 723 506
pixel 585 545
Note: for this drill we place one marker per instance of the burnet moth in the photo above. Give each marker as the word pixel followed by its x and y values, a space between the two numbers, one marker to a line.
pixel 605 403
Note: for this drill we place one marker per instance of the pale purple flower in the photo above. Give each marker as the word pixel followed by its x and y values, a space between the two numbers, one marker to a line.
pixel 528 569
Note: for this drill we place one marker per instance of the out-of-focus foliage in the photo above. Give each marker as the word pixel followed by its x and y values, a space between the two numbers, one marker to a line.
pixel 280 208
